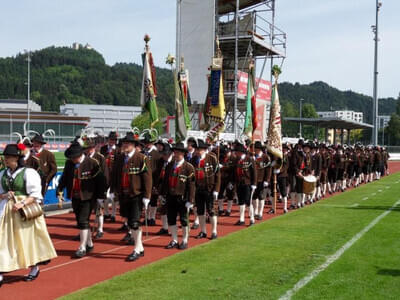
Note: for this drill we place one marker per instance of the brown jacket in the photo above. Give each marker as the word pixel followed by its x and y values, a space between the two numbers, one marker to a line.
pixel 185 187
pixel 140 179
pixel 212 175
pixel 91 177
pixel 245 171
pixel 263 168
pixel 32 162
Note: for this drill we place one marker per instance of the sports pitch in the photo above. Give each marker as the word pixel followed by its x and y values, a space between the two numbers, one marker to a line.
pixel 300 255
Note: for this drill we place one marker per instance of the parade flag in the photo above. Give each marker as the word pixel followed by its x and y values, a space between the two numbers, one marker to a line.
pixel 180 126
pixel 149 91
pixel 184 94
pixel 274 142
pixel 250 123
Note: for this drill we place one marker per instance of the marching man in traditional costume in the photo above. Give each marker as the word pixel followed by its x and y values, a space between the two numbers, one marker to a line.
pixel 47 161
pixel 245 179
pixel 24 240
pixel 132 181
pixel 208 181
pixel 263 171
pixel 179 190
pixel 85 184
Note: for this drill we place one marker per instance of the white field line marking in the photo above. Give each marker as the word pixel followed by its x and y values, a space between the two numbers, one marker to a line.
pixel 335 205
pixel 365 198
pixel 354 205
pixel 379 191
pixel 331 259
pixel 93 256
pixel 387 187
pixel 373 194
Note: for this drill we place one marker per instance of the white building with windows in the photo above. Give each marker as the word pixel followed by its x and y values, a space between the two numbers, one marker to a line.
pixel 342 114
pixel 104 117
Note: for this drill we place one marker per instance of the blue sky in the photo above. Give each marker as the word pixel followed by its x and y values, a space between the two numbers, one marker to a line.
pixel 328 40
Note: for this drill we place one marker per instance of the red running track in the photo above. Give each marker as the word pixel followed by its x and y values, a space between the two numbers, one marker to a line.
pixel 65 275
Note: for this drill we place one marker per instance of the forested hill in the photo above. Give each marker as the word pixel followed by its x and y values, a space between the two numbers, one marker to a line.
pixel 63 74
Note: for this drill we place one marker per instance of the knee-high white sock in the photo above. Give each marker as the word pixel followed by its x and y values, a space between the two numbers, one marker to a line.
pixel 293 199
pixel 174 232
pixel 242 209
pixel 185 234
pixel 101 223
pixel 196 220
pixel 285 203
pixel 255 205
pixel 84 233
pixel 89 239
pixel 153 212
pixel 106 209
pixel 1 277
pixel 251 212
pixel 303 198
pixel 113 207
pixel 214 224
pixel 137 236
pixel 229 207
pixel 261 208
pixel 299 199
pixel 220 204
pixel 202 221
pixel 164 221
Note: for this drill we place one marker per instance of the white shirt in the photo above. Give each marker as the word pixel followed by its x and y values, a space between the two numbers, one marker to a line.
pixel 179 163
pixel 32 180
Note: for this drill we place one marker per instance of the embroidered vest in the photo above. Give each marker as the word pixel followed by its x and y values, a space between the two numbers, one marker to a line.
pixel 17 184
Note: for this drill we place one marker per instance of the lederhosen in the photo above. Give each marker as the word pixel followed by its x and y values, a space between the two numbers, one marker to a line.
pixel 226 178
pixel 243 189
pixel 204 197
pixel 82 208
pixel 261 165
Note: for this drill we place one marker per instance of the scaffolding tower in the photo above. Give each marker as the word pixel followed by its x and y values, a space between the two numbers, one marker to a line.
pixel 245 28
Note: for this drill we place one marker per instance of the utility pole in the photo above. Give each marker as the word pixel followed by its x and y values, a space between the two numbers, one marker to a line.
pixel 301 116
pixel 28 52
pixel 375 92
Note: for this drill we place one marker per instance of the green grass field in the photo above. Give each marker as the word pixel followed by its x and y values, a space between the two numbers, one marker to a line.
pixel 266 260
pixel 60 159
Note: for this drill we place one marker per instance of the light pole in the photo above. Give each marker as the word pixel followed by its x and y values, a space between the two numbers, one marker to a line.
pixel 301 116
pixel 28 52
pixel 375 92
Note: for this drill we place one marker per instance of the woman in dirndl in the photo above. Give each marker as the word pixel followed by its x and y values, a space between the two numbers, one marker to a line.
pixel 23 244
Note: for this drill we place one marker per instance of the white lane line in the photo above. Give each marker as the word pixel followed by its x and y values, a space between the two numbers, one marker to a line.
pixel 365 198
pixel 331 259
pixel 93 256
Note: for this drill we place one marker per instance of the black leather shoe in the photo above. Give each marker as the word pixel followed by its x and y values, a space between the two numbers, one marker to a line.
pixel 106 217
pixel 133 256
pixel 195 226
pixel 99 235
pixel 31 277
pixel 130 242
pixel 271 211
pixel 123 228
pixel 182 246
pixel 89 249
pixel 141 253
pixel 163 232
pixel 80 253
pixel 126 238
pixel 1 283
pixel 227 213
pixel 76 238
pixel 112 219
pixel 220 213
pixel 201 235
pixel 151 222
pixel 239 223
pixel 171 245
pixel 213 236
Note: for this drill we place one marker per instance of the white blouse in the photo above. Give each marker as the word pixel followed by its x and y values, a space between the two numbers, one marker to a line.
pixel 32 179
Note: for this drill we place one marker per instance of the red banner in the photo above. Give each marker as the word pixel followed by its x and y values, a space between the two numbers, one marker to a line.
pixel 263 91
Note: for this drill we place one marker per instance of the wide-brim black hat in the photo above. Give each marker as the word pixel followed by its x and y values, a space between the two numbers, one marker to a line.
pixel 179 147
pixel 258 145
pixel 113 135
pixel 14 150
pixel 167 149
pixel 39 139
pixel 74 150
pixel 201 144
pixel 240 148
pixel 130 138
